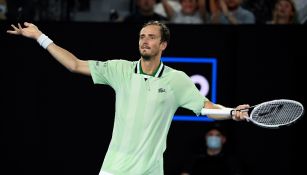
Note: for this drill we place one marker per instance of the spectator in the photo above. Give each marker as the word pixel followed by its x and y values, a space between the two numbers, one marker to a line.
pixel 262 9
pixel 230 12
pixel 3 10
pixel 144 13
pixel 214 159
pixel 192 12
pixel 284 12
pixel 19 10
pixel 160 9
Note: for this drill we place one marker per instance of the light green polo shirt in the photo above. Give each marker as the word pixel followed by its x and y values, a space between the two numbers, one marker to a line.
pixel 144 112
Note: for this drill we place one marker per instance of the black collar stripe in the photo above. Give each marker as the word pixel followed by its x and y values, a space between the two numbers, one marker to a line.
pixel 159 73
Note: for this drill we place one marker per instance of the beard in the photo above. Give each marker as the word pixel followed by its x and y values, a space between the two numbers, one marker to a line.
pixel 146 57
pixel 148 53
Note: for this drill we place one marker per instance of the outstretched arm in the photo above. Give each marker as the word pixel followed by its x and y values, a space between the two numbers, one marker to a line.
pixel 202 9
pixel 168 9
pixel 238 115
pixel 67 59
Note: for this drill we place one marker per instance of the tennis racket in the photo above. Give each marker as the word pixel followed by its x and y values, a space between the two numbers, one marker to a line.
pixel 270 114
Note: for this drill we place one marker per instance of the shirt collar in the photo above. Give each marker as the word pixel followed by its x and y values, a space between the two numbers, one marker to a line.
pixel 158 72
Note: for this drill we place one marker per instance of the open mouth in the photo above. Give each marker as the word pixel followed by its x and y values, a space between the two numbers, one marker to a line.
pixel 145 47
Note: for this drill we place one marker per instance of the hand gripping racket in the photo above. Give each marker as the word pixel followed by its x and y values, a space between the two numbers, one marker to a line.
pixel 270 114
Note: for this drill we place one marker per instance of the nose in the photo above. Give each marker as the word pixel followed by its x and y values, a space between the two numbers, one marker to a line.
pixel 145 39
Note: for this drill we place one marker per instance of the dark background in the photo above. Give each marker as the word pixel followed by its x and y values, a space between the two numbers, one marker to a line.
pixel 56 122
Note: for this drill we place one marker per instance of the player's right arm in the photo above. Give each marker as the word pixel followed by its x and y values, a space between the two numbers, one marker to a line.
pixel 67 59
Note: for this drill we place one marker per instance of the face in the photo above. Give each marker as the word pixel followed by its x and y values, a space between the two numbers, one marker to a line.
pixel 233 4
pixel 146 5
pixel 189 6
pixel 215 132
pixel 284 9
pixel 150 44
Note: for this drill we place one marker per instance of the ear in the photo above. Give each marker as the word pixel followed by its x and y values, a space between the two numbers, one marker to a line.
pixel 163 45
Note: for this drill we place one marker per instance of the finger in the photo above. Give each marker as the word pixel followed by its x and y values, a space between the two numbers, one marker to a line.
pixel 243 108
pixel 246 118
pixel 236 115
pixel 14 27
pixel 27 24
pixel 12 32
pixel 246 106
pixel 19 26
pixel 245 114
pixel 236 118
pixel 242 116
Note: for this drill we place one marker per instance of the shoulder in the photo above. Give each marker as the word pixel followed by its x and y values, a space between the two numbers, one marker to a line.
pixel 168 71
pixel 116 61
pixel 124 64
pixel 246 12
pixel 176 77
pixel 120 63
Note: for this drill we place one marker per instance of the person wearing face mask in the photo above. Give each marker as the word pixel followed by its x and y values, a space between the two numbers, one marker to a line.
pixel 214 159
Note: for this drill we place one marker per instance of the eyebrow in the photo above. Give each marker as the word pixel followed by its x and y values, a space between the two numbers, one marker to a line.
pixel 148 35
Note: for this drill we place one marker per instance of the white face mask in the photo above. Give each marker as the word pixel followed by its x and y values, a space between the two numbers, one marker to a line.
pixel 214 142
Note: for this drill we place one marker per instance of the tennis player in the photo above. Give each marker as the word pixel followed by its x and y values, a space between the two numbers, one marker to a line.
pixel 148 93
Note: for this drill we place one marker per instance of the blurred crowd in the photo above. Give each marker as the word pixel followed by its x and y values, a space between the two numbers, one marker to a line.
pixel 170 11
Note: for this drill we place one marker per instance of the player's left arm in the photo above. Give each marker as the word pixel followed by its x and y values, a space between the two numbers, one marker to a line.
pixel 238 115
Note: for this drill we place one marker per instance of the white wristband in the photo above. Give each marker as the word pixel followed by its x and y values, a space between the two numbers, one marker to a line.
pixel 44 41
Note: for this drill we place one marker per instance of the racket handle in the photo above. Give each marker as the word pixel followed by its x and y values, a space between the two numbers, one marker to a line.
pixel 226 112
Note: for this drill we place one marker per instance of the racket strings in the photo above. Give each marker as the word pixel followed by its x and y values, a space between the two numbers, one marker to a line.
pixel 278 113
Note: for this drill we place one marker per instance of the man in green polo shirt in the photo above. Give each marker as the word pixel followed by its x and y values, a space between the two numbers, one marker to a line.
pixel 148 93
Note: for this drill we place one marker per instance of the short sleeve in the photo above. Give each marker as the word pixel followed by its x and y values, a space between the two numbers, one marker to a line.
pixel 186 93
pixel 109 72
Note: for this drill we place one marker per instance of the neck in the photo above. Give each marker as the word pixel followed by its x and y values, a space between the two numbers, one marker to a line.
pixel 150 66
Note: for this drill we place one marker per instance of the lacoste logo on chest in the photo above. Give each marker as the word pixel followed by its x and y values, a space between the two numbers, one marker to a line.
pixel 161 90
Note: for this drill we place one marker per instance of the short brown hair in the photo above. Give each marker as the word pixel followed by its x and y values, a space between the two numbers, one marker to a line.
pixel 164 30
